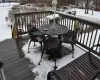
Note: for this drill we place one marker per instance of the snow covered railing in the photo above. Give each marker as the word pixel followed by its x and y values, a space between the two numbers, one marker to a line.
pixel 87 20
pixel 88 28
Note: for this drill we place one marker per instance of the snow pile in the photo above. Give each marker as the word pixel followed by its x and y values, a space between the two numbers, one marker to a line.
pixel 47 65
pixel 50 17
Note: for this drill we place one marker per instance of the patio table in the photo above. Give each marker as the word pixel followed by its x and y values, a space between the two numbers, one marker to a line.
pixel 38 33
pixel 58 29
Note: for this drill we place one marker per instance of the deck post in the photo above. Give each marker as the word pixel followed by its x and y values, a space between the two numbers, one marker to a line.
pixel 19 47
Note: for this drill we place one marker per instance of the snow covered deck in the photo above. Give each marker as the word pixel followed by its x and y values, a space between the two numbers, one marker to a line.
pixel 47 65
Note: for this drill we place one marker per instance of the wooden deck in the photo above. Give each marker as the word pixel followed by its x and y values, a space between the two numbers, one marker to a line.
pixel 15 67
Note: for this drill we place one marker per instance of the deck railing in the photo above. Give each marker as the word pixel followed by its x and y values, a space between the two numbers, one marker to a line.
pixel 88 29
pixel 33 18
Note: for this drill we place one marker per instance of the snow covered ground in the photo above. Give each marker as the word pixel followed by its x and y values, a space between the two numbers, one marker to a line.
pixel 81 12
pixel 5 31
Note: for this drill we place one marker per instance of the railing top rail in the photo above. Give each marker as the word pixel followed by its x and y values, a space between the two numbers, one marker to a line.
pixel 88 20
pixel 29 13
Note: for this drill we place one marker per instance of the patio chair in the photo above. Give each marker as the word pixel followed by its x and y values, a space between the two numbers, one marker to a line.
pixel 85 67
pixel 52 45
pixel 70 38
pixel 34 37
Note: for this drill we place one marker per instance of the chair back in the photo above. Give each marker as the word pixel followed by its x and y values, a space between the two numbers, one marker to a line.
pixel 70 36
pixel 51 43
pixel 31 29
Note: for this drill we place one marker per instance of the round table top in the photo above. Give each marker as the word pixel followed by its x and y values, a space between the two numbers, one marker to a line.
pixel 53 29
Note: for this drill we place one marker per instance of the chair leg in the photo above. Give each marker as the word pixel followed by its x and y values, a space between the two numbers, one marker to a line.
pixel 29 46
pixel 72 50
pixel 72 47
pixel 55 67
pixel 60 55
pixel 41 46
pixel 34 44
pixel 73 54
pixel 41 57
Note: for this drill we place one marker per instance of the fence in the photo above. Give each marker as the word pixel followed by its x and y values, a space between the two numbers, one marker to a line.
pixel 88 30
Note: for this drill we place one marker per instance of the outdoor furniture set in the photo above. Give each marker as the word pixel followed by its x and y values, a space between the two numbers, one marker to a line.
pixel 85 67
pixel 50 39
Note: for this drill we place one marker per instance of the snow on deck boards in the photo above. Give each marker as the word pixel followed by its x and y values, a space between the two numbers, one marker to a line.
pixel 42 70
pixel 15 67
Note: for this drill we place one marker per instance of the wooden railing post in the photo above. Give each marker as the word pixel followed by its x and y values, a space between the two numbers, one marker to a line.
pixel 17 38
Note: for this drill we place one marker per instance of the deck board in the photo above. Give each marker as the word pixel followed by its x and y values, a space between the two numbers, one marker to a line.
pixel 15 67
